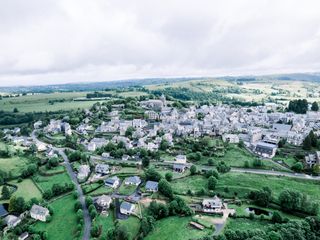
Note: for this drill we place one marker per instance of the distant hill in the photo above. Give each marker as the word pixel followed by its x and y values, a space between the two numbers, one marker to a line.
pixel 94 86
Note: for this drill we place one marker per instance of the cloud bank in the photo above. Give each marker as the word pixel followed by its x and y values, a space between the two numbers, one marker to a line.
pixel 59 41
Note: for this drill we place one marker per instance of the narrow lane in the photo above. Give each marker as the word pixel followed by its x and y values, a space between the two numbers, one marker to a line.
pixel 86 215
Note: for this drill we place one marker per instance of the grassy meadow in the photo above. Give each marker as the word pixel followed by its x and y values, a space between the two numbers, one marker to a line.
pixel 243 183
pixel 26 189
pixel 176 228
pixel 46 182
pixel 63 225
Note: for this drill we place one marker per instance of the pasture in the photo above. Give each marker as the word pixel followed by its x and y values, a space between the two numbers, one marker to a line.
pixel 242 183
pixel 106 222
pixel 127 189
pixel 63 225
pixel 45 102
pixel 132 224
pixel 46 182
pixel 26 189
pixel 245 224
pixel 14 165
pixel 176 228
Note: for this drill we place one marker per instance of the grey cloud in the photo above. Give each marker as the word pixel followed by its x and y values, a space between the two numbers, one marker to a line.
pixel 44 41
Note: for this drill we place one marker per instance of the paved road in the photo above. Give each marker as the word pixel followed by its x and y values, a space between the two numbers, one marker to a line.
pixel 276 173
pixel 86 215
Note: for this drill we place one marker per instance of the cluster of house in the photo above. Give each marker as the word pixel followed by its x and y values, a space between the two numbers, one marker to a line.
pixel 58 126
pixel 127 207
pixel 260 129
pixel 37 212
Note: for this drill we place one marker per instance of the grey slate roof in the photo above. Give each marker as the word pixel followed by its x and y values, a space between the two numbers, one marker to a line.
pixel 152 185
pixel 36 209
pixel 125 205
pixel 266 145
pixel 134 179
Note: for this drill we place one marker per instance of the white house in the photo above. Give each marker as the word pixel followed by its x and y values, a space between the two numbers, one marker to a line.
pixel 104 201
pixel 112 182
pixel 231 138
pixel 39 213
pixel 212 205
pixel 135 180
pixel 83 172
pixel 102 168
pixel 181 159
pixel 41 147
pixel 127 208
pixel 12 221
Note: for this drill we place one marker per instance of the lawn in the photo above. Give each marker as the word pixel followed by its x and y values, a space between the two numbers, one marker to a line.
pixel 101 190
pixel 248 182
pixel 243 183
pixel 194 183
pixel 46 182
pixel 26 189
pixel 176 228
pixel 63 225
pixel 236 157
pixel 127 189
pixel 246 224
pixel 129 170
pixel 106 222
pixel 14 165
pixel 289 161
pixel 132 224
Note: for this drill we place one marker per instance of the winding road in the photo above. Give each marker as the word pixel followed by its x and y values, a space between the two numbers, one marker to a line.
pixel 86 215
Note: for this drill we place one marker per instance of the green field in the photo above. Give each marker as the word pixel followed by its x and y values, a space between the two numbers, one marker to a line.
pixel 40 102
pixel 127 189
pixel 243 183
pixel 289 161
pixel 14 165
pixel 63 225
pixel 46 182
pixel 101 190
pixel 132 224
pixel 236 157
pixel 26 189
pixel 245 224
pixel 106 222
pixel 176 228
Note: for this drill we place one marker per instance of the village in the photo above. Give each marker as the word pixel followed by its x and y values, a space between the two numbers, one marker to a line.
pixel 120 168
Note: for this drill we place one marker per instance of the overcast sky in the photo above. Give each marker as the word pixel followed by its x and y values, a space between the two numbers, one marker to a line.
pixel 59 41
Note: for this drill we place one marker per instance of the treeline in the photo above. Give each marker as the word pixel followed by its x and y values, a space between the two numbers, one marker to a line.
pixel 307 229
pixel 98 95
pixel 57 189
pixel 9 118
pixel 301 106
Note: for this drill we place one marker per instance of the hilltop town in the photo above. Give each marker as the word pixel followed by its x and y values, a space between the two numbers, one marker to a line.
pixel 133 168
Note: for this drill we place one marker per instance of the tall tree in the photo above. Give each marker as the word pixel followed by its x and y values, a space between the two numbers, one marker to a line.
pixel 212 182
pixel 307 143
pixel 315 106
pixel 5 192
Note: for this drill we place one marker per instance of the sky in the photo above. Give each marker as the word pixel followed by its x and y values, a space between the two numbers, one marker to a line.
pixel 64 41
